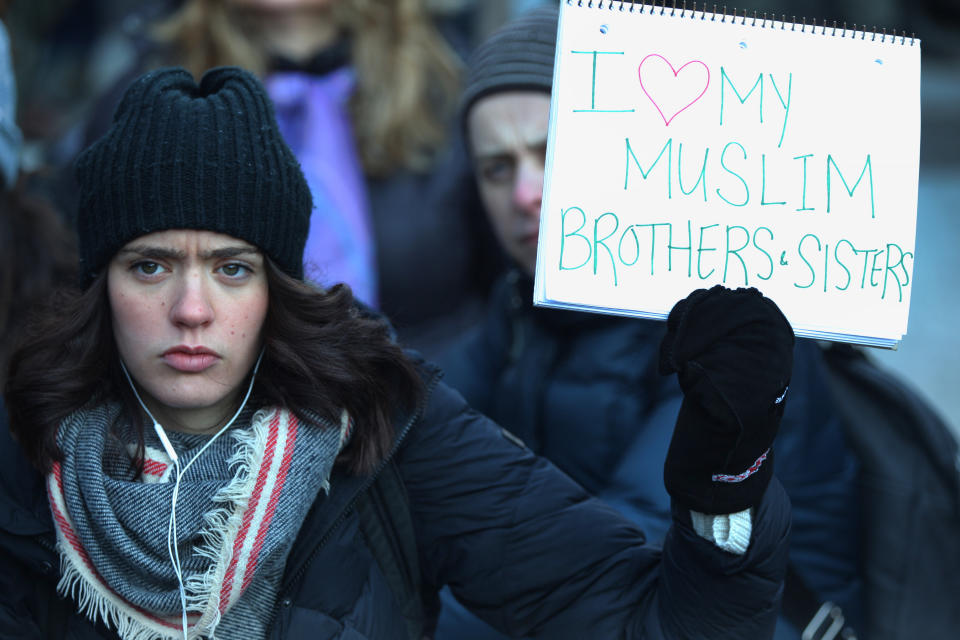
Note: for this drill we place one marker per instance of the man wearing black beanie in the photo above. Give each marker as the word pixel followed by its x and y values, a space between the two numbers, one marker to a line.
pixel 588 391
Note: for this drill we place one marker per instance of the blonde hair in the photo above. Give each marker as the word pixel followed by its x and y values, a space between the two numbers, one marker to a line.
pixel 408 77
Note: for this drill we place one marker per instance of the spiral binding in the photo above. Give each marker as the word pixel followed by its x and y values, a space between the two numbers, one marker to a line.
pixel 754 20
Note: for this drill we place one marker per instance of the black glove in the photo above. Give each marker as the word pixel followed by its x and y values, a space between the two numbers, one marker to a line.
pixel 733 353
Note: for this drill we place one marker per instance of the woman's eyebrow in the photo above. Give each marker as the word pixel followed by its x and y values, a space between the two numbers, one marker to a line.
pixel 154 252
pixel 166 253
pixel 229 252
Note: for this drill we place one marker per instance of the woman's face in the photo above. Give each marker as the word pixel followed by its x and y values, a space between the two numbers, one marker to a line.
pixel 188 308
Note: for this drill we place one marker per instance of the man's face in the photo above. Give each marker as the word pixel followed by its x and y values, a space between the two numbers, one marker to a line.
pixel 508 138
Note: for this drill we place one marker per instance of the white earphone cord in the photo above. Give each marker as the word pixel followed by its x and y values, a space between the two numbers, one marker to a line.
pixel 172 548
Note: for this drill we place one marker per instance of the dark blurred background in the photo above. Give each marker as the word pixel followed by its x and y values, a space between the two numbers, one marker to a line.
pixel 67 52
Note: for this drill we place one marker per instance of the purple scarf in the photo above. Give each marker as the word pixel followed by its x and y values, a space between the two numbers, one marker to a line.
pixel 312 112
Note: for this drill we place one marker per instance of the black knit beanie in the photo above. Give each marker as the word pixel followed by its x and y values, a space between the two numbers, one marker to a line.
pixel 179 155
pixel 518 56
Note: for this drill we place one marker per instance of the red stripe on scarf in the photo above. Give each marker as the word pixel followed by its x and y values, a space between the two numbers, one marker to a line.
pixel 65 527
pixel 154 467
pixel 268 453
pixel 71 537
pixel 272 505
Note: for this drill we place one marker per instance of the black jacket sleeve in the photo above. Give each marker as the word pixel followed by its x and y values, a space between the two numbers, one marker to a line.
pixel 531 553
pixel 17 619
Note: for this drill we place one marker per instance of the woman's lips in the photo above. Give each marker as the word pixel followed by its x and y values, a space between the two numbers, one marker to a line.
pixel 190 360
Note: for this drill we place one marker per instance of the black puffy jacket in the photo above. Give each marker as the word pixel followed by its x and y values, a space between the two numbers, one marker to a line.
pixel 583 390
pixel 524 545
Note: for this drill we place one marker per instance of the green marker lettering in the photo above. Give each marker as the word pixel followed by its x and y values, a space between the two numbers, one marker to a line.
pixel 826 264
pixel 889 269
pixel 866 258
pixel 668 147
pixel 723 163
pixel 763 183
pixel 867 170
pixel 636 247
pixel 813 273
pixel 763 251
pixel 672 247
pixel 836 257
pixel 803 199
pixel 575 233
pixel 786 105
pixel 701 179
pixel 701 250
pixel 725 79
pixel 653 238
pixel 874 269
pixel 601 242
pixel 593 84
pixel 736 252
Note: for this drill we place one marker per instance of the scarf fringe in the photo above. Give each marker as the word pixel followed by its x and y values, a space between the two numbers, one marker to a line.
pixel 223 523
pixel 100 604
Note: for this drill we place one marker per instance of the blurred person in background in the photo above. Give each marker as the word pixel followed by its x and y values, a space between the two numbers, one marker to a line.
pixel 36 247
pixel 365 93
pixel 10 136
pixel 584 390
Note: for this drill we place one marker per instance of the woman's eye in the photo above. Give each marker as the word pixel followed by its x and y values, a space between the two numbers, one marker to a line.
pixel 234 270
pixel 147 268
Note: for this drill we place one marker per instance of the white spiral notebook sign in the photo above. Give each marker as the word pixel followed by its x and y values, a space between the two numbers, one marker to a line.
pixel 690 148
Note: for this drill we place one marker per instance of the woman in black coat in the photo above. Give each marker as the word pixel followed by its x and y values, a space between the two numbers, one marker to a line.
pixel 202 442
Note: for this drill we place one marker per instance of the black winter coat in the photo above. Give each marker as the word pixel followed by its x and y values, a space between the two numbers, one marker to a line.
pixel 583 390
pixel 525 546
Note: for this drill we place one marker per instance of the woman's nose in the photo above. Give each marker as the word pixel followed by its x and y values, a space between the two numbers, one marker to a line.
pixel 192 307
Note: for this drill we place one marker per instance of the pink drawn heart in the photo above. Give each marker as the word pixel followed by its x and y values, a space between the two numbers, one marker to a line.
pixel 675 72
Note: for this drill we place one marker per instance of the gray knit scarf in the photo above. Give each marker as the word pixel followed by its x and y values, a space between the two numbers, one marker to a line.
pixel 238 509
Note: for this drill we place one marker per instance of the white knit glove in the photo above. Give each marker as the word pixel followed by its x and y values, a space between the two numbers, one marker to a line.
pixel 731 533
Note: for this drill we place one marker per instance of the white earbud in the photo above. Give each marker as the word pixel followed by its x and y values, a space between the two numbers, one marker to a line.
pixel 165 441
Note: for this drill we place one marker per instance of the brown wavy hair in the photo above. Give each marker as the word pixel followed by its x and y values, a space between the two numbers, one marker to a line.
pixel 38 254
pixel 322 354
pixel 408 77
